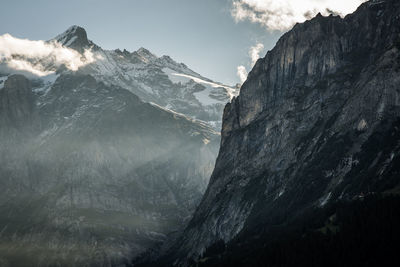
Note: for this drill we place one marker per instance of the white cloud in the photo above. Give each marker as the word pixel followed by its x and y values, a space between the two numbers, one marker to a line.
pixel 283 14
pixel 254 54
pixel 39 58
pixel 242 73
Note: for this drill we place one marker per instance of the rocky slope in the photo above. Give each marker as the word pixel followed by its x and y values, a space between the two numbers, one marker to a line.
pixel 317 121
pixel 90 175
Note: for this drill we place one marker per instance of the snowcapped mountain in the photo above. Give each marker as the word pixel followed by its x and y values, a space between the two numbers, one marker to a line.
pixel 91 175
pixel 160 80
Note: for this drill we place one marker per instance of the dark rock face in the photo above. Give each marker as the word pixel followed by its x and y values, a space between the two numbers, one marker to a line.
pixel 315 122
pixel 91 176
pixel 16 102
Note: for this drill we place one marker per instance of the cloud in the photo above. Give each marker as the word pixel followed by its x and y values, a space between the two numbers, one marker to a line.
pixel 283 14
pixel 39 58
pixel 254 54
pixel 242 73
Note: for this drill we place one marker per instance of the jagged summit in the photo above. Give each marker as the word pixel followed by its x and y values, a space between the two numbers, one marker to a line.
pixel 74 37
pixel 145 54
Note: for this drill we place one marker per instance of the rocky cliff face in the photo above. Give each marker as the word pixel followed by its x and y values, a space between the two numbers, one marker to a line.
pixel 316 121
pixel 16 102
pixel 90 175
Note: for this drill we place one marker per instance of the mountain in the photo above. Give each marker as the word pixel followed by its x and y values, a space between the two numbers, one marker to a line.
pixel 103 153
pixel 90 175
pixel 160 80
pixel 75 37
pixel 316 124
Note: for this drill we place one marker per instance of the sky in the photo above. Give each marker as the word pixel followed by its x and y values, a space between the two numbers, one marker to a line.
pixel 220 39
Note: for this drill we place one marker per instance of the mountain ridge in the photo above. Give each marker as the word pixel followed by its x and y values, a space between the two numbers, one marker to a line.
pixel 154 79
pixel 160 80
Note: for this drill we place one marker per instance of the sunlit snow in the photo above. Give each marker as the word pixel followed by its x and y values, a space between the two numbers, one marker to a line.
pixel 2 81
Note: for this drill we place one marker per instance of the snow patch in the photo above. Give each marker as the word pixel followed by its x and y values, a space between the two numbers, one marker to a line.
pixel 281 192
pixel 325 199
pixel 71 41
pixel 64 36
pixel 48 82
pixel 201 81
pixel 170 111
pixel 2 81
pixel 175 78
pixel 362 125
pixel 204 96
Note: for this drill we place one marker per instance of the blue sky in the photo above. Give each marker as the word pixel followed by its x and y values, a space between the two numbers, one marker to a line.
pixel 206 35
pixel 201 34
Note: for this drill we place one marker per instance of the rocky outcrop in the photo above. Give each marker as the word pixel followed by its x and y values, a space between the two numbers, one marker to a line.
pixel 17 102
pixel 316 121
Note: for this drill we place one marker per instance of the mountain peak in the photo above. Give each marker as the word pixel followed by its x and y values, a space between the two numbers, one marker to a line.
pixel 143 50
pixel 145 54
pixel 75 28
pixel 74 37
